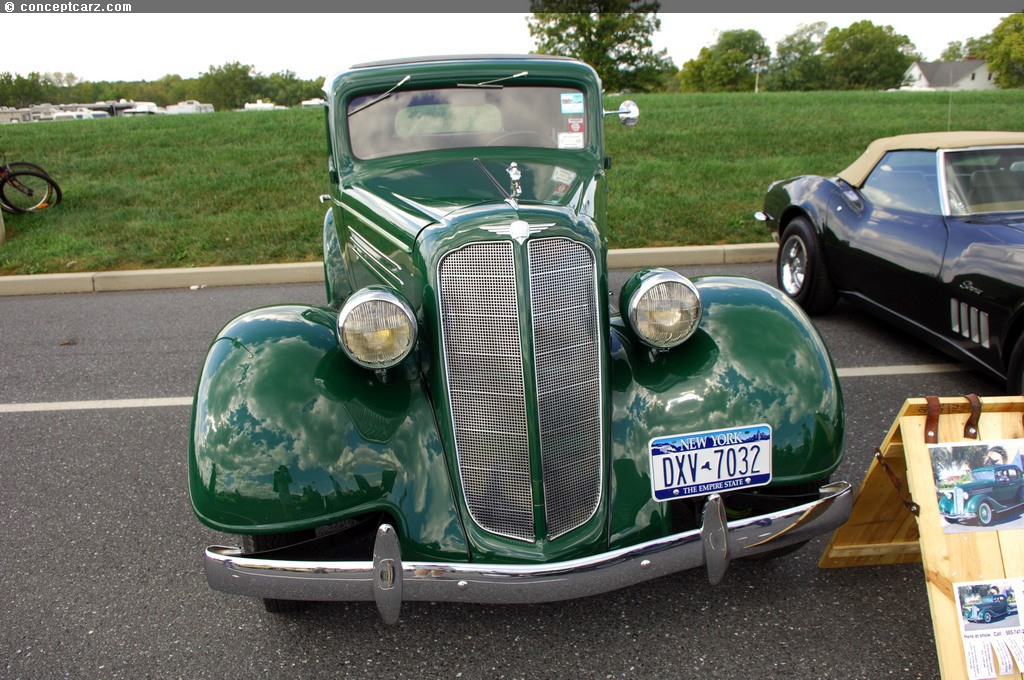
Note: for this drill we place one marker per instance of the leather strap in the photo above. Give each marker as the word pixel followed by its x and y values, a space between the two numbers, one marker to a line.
pixel 913 507
pixel 971 427
pixel 931 423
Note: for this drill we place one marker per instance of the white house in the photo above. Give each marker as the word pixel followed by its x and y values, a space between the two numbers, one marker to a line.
pixel 971 74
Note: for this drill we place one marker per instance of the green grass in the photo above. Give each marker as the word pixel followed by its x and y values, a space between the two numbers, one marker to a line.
pixel 243 187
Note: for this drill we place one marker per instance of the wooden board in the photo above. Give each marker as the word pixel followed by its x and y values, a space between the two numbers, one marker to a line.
pixel 882 530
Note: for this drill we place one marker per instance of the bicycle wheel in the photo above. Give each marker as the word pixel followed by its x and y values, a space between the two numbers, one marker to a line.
pixel 28 191
pixel 18 166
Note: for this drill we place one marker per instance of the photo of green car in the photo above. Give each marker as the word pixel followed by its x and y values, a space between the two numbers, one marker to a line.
pixel 990 492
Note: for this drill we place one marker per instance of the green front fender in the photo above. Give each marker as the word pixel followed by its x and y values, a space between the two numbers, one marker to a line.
pixel 288 434
pixel 755 359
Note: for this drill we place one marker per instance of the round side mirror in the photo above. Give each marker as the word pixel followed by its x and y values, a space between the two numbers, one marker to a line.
pixel 629 113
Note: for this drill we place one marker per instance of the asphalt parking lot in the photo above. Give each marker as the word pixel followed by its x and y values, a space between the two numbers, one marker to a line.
pixel 100 553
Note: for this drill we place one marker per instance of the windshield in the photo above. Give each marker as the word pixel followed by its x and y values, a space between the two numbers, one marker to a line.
pixel 985 180
pixel 983 476
pixel 450 118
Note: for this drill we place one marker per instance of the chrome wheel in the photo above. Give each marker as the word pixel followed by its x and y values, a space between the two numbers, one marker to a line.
pixel 801 268
pixel 793 265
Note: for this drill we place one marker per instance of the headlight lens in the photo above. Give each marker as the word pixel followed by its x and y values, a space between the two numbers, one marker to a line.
pixel 377 328
pixel 662 306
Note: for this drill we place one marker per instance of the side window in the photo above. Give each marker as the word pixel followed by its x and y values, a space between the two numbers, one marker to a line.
pixel 905 180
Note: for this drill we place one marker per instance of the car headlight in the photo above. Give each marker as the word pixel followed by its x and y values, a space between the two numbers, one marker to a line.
pixel 376 328
pixel 662 307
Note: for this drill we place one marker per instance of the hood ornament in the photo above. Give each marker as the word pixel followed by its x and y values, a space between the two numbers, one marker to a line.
pixel 515 175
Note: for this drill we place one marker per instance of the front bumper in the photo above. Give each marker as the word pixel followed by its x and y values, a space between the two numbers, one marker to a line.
pixel 390 581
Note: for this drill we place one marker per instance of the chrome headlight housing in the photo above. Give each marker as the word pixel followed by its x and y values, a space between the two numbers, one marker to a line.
pixel 661 306
pixel 376 328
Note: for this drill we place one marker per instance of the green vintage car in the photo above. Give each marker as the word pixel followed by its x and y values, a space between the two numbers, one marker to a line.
pixel 465 418
pixel 991 490
pixel 988 609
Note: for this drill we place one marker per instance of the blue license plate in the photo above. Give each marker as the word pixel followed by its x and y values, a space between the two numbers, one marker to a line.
pixel 714 461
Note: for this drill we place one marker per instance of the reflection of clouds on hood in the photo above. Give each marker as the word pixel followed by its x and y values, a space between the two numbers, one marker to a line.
pixel 773 361
pixel 269 413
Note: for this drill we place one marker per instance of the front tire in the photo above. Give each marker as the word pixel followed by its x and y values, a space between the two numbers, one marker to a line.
pixel 800 268
pixel 985 514
pixel 1015 370
pixel 259 543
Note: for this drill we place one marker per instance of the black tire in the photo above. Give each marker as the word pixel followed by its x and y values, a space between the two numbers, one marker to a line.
pixel 1015 370
pixel 261 542
pixel 985 514
pixel 18 166
pixel 29 191
pixel 800 268
pixel 987 616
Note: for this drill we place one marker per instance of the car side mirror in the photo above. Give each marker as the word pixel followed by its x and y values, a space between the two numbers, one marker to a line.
pixel 628 112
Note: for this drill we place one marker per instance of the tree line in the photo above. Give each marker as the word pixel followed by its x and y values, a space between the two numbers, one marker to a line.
pixel 615 37
pixel 227 87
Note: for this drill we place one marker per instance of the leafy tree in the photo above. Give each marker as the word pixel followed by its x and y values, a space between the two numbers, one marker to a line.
pixel 227 87
pixel 730 65
pixel 286 88
pixel 864 56
pixel 955 51
pixel 978 47
pixel 799 64
pixel 613 36
pixel 1005 54
pixel 22 91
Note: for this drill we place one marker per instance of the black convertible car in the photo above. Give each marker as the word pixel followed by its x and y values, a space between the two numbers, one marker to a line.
pixel 927 231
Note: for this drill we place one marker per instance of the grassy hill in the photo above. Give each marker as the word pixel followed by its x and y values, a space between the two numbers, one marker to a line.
pixel 243 187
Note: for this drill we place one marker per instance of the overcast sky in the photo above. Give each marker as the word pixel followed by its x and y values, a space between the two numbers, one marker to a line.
pixel 148 46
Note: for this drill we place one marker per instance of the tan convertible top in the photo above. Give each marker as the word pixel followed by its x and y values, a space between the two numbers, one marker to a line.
pixel 859 169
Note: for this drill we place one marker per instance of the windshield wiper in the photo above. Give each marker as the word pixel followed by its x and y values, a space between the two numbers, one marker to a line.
pixel 382 97
pixel 493 83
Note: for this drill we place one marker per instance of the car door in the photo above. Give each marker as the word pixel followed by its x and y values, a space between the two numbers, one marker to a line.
pixel 1007 485
pixel 887 238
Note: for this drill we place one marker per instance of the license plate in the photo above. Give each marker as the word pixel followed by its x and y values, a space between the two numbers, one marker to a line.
pixel 715 461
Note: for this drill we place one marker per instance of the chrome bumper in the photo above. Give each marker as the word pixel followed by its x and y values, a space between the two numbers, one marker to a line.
pixel 390 581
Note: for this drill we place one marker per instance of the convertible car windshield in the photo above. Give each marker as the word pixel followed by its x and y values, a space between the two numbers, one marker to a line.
pixel 985 180
pixel 381 125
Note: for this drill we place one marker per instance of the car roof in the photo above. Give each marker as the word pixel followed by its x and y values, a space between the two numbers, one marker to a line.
pixel 858 171
pixel 461 57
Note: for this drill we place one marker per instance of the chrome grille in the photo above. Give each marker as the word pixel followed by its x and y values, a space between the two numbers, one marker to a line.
pixel 563 299
pixel 480 324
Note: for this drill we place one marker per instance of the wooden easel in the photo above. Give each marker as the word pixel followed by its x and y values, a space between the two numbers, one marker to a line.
pixel 884 529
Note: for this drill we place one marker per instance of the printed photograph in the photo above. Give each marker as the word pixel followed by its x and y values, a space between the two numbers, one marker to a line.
pixel 979 485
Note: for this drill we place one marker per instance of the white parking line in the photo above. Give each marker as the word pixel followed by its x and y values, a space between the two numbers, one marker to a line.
pixel 906 369
pixel 42 406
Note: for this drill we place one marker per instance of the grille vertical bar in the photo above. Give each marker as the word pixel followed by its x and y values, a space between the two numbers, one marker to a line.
pixel 483 353
pixel 563 300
